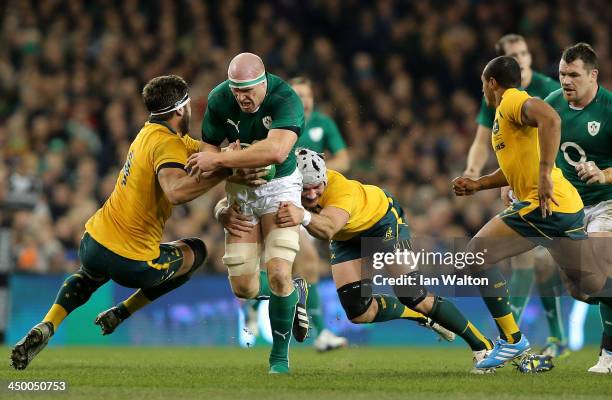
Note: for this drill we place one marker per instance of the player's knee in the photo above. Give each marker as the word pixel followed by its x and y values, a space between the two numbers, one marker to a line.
pixel 356 298
pixel 279 276
pixel 198 247
pixel 282 243
pixel 241 258
pixel 412 295
pixel 477 245
pixel 81 285
pixel 244 291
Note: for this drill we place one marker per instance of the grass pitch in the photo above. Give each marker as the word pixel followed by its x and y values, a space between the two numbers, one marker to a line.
pixel 179 373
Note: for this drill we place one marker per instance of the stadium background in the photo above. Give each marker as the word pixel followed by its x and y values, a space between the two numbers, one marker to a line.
pixel 400 78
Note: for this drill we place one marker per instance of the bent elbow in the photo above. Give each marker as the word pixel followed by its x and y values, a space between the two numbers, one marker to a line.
pixel 279 155
pixel 175 198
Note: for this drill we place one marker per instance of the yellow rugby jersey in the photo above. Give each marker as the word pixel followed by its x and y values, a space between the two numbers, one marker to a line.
pixel 518 154
pixel 131 221
pixel 365 204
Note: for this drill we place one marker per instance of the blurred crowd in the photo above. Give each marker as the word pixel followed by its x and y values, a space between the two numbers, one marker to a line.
pixel 400 78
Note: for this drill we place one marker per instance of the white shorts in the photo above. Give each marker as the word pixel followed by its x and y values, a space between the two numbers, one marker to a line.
pixel 265 199
pixel 598 218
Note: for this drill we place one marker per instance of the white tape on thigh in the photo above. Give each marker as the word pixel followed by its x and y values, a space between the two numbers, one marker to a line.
pixel 283 243
pixel 241 258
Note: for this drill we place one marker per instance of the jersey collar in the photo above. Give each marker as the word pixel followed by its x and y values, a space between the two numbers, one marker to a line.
pixel 163 123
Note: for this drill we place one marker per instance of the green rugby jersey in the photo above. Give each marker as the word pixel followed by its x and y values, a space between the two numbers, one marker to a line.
pixel 281 109
pixel 321 134
pixel 540 86
pixel 586 135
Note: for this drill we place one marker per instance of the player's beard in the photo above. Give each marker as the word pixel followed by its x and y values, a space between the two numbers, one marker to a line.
pixel 184 124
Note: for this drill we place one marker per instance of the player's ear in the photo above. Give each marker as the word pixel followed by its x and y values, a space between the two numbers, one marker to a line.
pixel 181 111
pixel 594 73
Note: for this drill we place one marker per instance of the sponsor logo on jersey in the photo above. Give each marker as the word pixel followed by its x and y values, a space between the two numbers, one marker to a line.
pixel 593 127
pixel 267 121
pixel 234 124
pixel 315 134
pixel 576 149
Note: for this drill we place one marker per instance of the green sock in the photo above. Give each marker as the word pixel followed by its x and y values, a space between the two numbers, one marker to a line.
pixel 606 319
pixel 495 296
pixel 389 308
pixel 264 286
pixel 446 314
pixel 552 306
pixel 282 310
pixel 313 306
pixel 520 287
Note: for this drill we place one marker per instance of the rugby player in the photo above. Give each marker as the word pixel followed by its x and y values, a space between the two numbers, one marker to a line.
pixel 522 279
pixel 257 108
pixel 585 155
pixel 344 212
pixel 548 212
pixel 122 239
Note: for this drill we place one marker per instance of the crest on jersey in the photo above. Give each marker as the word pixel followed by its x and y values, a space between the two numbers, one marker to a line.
pixel 593 127
pixel 267 121
pixel 315 133
pixel 495 128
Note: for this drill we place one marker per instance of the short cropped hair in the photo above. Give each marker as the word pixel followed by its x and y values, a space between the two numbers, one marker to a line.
pixel 500 46
pixel 581 51
pixel 162 92
pixel 505 70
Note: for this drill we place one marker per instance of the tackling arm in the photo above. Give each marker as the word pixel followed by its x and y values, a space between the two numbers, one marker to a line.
pixel 272 150
pixel 180 188
pixel 327 223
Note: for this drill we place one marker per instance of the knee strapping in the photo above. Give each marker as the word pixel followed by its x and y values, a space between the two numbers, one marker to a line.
pixel 356 297
pixel 283 243
pixel 412 295
pixel 78 287
pixel 200 252
pixel 241 258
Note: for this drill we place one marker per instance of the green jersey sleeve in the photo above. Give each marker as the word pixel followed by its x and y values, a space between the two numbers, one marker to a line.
pixel 287 111
pixel 486 115
pixel 212 127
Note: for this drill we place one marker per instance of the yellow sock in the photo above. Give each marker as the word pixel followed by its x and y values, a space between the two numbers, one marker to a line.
pixel 135 302
pixel 55 315
pixel 413 315
pixel 508 326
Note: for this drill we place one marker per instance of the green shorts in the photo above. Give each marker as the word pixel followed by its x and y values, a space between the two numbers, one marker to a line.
pixel 389 233
pixel 98 261
pixel 542 231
